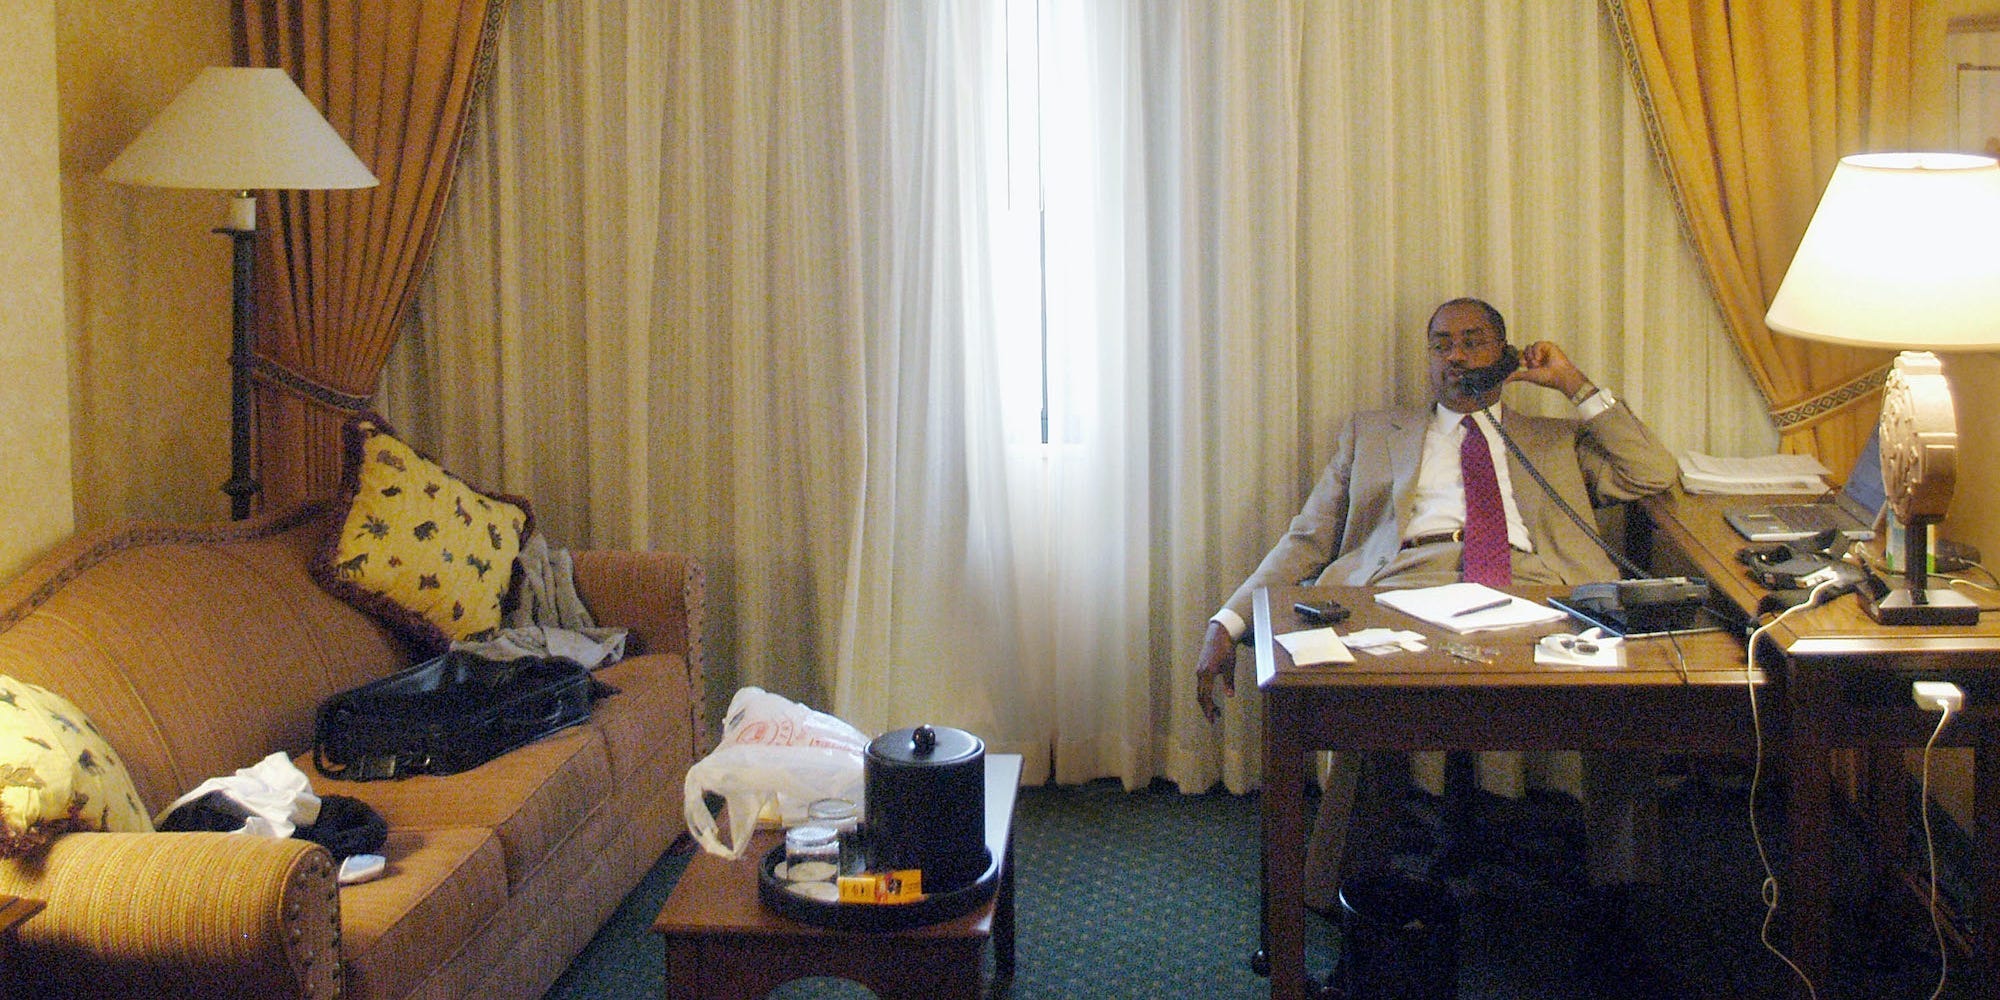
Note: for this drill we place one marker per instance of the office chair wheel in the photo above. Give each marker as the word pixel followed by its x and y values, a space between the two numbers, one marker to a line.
pixel 1260 963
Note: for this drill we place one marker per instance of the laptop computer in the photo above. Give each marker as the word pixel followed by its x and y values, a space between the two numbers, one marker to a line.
pixel 1851 511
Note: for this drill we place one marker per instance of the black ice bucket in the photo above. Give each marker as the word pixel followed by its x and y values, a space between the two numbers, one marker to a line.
pixel 1398 940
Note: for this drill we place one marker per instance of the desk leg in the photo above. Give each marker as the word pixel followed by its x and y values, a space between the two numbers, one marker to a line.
pixel 685 961
pixel 1985 936
pixel 1284 848
pixel 1805 893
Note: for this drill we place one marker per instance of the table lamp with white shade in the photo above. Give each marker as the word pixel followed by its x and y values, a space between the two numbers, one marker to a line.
pixel 240 130
pixel 1904 252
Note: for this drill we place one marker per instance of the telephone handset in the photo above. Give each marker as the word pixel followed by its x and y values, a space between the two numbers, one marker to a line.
pixel 1480 381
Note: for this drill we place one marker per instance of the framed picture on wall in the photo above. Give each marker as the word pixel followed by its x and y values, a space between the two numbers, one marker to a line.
pixel 1974 51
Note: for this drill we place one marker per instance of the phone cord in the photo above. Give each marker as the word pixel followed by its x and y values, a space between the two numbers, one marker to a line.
pixel 1630 568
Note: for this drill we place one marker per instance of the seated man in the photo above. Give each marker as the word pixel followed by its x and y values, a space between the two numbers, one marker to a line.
pixel 1408 499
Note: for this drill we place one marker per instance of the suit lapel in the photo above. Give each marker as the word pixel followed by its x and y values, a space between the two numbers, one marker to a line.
pixel 1406 431
pixel 1528 497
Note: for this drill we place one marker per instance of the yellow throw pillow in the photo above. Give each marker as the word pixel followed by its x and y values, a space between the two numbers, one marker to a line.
pixel 419 548
pixel 57 773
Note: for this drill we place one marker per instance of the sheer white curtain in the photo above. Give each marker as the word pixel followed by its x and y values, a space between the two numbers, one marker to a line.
pixel 743 280
pixel 932 629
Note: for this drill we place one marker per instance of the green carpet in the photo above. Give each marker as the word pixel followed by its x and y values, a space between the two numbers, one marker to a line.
pixel 1153 894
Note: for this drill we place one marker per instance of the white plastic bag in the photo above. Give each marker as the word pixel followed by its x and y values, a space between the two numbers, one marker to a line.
pixel 775 753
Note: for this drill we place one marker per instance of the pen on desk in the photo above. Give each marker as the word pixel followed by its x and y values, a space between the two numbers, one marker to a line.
pixel 1488 606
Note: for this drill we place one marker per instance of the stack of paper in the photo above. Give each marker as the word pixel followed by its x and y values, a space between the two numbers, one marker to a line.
pixel 1761 474
pixel 1468 607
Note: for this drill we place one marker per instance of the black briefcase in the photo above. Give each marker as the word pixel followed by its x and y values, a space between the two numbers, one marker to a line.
pixel 447 715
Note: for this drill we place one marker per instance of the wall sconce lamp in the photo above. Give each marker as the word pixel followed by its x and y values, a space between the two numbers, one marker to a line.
pixel 1902 253
pixel 240 130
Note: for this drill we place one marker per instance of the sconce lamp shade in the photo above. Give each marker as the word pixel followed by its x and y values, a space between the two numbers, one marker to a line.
pixel 240 129
pixel 1901 253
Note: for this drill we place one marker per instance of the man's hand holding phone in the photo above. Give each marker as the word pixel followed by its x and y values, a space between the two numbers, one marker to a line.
pixel 1545 364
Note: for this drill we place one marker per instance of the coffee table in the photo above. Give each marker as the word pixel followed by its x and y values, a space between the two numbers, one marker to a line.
pixel 722 944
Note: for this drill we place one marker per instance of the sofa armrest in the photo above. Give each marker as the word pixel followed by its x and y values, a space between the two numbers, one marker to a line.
pixel 657 596
pixel 660 598
pixel 189 914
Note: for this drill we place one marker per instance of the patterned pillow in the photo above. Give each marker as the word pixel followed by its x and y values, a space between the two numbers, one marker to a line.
pixel 56 773
pixel 419 548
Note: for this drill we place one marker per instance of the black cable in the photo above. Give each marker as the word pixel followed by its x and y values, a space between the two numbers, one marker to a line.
pixel 1630 568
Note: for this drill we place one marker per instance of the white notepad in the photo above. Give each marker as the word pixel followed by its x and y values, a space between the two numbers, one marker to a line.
pixel 1447 606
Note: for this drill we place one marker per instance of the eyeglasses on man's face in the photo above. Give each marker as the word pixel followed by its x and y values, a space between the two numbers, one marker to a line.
pixel 1443 344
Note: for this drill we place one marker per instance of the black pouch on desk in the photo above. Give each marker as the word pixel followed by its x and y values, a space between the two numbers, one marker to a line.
pixel 1780 566
pixel 447 715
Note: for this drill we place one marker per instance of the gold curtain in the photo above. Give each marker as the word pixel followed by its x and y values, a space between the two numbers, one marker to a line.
pixel 1750 105
pixel 336 270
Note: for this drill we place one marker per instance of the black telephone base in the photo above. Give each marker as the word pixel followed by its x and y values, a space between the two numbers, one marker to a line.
pixel 1659 604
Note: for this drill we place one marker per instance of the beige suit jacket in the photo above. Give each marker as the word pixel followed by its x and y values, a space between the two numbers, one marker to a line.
pixel 1350 530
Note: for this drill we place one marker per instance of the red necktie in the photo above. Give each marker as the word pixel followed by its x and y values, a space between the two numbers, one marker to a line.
pixel 1486 556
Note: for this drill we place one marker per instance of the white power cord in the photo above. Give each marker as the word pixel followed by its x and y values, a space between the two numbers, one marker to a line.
pixel 1769 888
pixel 1944 698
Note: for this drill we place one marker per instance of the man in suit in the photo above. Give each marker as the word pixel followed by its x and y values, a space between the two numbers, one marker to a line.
pixel 1391 509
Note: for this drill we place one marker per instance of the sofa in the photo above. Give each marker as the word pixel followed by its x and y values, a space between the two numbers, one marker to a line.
pixel 198 650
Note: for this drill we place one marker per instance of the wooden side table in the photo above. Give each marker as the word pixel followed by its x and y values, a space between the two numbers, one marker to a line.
pixel 723 944
pixel 13 910
pixel 1844 682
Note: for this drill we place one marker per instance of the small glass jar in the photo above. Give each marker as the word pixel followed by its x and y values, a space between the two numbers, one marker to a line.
pixel 812 853
pixel 844 817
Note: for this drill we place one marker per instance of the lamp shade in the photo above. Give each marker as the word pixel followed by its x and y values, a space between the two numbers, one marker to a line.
pixel 240 129
pixel 1903 252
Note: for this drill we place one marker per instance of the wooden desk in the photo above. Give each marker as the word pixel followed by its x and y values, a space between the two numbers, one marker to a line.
pixel 1434 701
pixel 1844 681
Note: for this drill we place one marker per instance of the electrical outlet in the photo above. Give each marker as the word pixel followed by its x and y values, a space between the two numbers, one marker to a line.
pixel 1937 696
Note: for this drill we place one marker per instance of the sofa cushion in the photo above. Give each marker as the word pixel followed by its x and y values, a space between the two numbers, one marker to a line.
pixel 652 699
pixel 57 773
pixel 441 886
pixel 531 798
pixel 419 548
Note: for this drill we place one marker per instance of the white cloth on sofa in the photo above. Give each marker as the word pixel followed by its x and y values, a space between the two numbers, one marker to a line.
pixel 276 797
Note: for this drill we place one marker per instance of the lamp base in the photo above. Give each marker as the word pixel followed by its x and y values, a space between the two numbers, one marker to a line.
pixel 1902 606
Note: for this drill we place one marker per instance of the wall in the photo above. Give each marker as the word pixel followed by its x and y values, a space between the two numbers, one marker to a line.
pixel 1975 509
pixel 34 397
pixel 147 281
